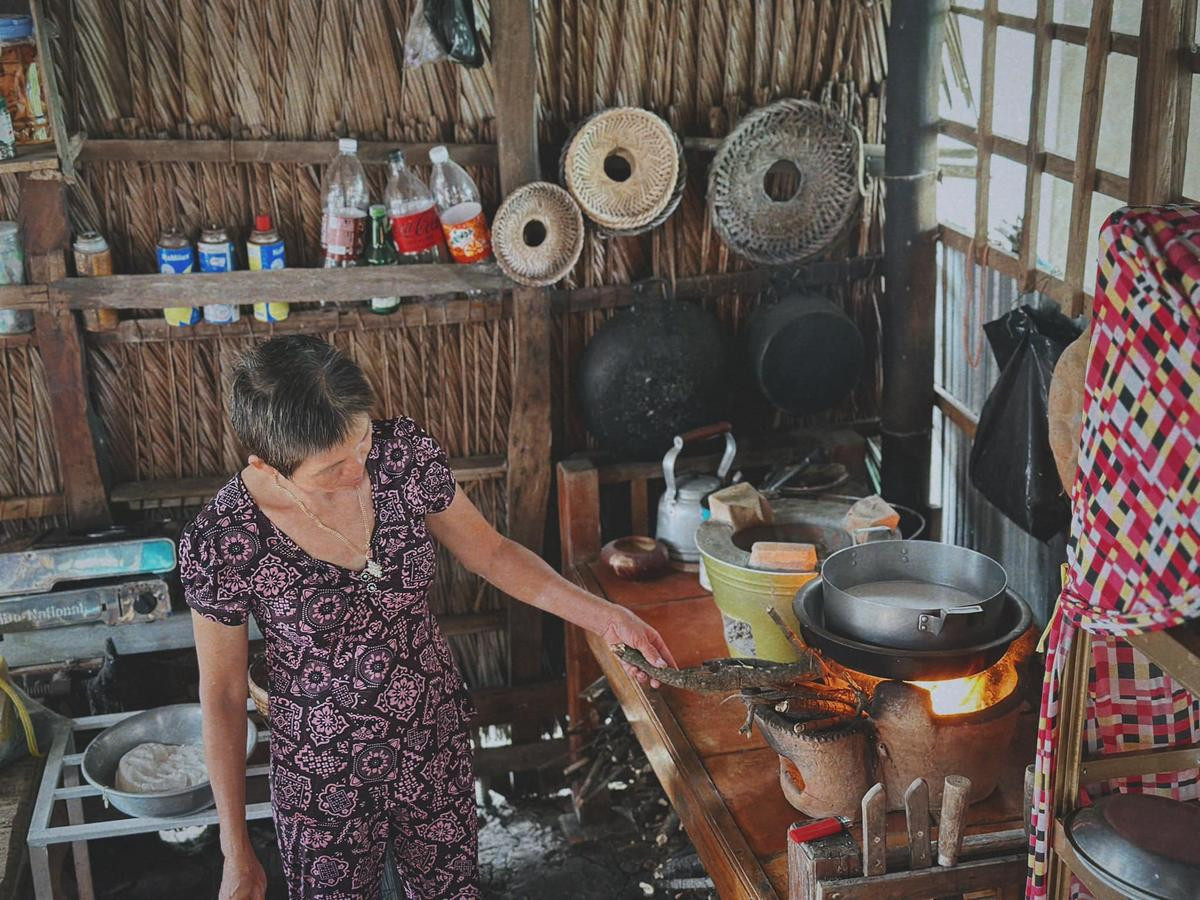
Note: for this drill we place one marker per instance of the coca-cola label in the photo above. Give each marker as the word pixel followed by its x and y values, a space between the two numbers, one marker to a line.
pixel 469 241
pixel 342 236
pixel 418 232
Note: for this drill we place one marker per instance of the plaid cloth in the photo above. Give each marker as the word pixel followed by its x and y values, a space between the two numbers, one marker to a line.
pixel 1135 530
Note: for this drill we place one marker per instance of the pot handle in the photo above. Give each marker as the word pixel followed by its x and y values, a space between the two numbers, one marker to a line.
pixel 693 437
pixel 934 624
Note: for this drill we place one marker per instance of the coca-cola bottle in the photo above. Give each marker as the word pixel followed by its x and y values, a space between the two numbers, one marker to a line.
pixel 344 203
pixel 459 208
pixel 416 229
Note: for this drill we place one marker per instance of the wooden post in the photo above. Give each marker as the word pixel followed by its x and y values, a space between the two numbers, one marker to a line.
pixel 1160 99
pixel 514 49
pixel 43 218
pixel 1035 159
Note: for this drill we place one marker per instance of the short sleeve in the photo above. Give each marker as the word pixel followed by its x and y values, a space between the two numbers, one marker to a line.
pixel 209 586
pixel 432 477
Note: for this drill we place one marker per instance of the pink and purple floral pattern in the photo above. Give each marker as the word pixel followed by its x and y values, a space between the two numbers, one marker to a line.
pixel 368 711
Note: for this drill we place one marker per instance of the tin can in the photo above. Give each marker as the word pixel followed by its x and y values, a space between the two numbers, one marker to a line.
pixel 94 259
pixel 265 251
pixel 8 138
pixel 215 252
pixel 12 271
pixel 176 257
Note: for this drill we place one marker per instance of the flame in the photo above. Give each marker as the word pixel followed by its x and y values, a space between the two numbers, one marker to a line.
pixel 958 695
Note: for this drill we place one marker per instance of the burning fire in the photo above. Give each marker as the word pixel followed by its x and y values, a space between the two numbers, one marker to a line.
pixel 961 695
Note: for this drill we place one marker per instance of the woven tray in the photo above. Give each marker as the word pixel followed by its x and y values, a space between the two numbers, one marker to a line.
pixel 537 234
pixel 825 151
pixel 624 138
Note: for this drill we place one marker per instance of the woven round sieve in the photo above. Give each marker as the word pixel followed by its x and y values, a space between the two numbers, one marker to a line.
pixel 825 152
pixel 622 166
pixel 537 234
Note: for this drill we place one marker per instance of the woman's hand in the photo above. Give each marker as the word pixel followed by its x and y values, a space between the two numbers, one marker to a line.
pixel 625 627
pixel 243 878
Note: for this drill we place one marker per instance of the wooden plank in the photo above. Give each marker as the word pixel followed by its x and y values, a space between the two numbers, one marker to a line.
pixel 979 875
pixel 639 508
pixel 1156 175
pixel 50 92
pixel 164 150
pixel 277 285
pixel 173 491
pixel 1135 763
pixel 23 296
pixel 916 820
pixel 43 217
pixel 983 150
pixel 1095 68
pixel 548 754
pixel 1035 159
pixel 874 831
pixel 992 257
pixel 41 158
pixel 965 420
pixel 35 507
pixel 504 705
pixel 1118 42
pixel 1176 651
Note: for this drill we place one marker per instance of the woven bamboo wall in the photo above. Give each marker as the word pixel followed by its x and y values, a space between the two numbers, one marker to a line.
pixel 313 70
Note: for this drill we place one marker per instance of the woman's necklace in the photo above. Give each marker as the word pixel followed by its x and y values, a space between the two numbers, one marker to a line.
pixel 372 569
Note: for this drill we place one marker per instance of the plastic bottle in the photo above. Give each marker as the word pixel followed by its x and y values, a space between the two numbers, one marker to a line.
pixel 344 202
pixel 460 209
pixel 380 252
pixel 264 250
pixel 416 229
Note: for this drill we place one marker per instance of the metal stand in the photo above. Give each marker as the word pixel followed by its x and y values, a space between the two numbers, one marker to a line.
pixel 61 783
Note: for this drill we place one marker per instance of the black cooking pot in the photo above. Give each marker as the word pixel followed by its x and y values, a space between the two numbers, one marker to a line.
pixel 806 354
pixel 655 370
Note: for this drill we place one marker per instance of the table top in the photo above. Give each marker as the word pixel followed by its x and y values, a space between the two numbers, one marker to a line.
pixel 725 786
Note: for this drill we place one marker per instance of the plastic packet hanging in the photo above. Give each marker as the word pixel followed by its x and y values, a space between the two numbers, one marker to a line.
pixel 1012 463
pixel 443 29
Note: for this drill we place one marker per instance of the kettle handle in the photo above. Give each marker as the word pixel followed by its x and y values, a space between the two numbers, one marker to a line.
pixel 695 436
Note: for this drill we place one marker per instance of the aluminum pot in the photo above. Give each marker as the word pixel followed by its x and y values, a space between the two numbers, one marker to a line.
pixel 913 595
pixel 177 724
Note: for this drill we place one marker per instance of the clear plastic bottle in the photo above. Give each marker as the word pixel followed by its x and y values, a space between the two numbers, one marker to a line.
pixel 460 209
pixel 345 199
pixel 416 229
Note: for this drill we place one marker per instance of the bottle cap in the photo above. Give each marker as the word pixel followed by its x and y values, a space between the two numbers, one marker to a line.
pixel 15 28
pixel 347 145
pixel 438 154
pixel 377 211
pixel 396 156
pixel 262 222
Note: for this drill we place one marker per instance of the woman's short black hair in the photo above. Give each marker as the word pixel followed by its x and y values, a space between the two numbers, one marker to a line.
pixel 295 396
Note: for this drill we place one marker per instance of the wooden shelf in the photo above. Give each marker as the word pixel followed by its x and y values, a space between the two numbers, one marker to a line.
pixel 170 150
pixel 30 159
pixel 23 296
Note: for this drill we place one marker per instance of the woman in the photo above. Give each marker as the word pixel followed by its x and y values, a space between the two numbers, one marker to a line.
pixel 327 537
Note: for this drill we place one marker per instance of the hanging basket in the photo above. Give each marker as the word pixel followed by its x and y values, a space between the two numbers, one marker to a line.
pixel 537 234
pixel 624 167
pixel 825 153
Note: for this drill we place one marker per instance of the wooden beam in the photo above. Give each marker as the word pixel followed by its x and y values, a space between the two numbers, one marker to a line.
pixel 50 93
pixel 514 55
pixel 1006 264
pixel 979 875
pixel 35 507
pixel 1175 651
pixel 965 420
pixel 43 217
pixel 1126 44
pixel 1095 67
pixel 983 150
pixel 169 150
pixel 550 754
pixel 23 296
pixel 1035 159
pixel 1138 763
pixel 537 702
pixel 1158 153
pixel 277 285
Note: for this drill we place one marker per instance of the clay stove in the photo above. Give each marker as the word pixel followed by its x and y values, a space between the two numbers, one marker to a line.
pixel 919 728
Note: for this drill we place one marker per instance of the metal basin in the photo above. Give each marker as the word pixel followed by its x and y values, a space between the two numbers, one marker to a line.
pixel 178 724
pixel 913 595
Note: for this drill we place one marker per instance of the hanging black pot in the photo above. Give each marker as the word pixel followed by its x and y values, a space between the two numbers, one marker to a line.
pixel 806 354
pixel 655 370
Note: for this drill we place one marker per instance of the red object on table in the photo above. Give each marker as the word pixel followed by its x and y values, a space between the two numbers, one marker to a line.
pixel 802 834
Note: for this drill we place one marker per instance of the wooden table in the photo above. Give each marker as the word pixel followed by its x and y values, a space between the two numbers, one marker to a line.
pixel 725 787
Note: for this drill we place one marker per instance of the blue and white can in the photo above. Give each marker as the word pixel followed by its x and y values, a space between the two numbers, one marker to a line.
pixel 175 256
pixel 215 251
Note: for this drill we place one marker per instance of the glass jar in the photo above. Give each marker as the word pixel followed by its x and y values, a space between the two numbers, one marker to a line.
pixel 21 80
pixel 12 271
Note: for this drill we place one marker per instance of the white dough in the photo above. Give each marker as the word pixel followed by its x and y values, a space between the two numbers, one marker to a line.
pixel 157 768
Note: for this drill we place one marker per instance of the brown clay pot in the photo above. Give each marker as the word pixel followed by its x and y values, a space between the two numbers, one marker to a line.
pixel 635 558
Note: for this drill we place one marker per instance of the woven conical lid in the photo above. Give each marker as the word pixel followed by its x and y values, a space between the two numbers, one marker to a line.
pixel 622 167
pixel 537 234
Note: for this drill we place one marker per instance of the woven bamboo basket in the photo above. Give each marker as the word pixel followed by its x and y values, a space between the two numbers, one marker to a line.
pixel 826 154
pixel 537 234
pixel 256 678
pixel 624 167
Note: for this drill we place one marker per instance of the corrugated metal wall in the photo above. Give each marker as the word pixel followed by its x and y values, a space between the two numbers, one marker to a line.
pixel 967 518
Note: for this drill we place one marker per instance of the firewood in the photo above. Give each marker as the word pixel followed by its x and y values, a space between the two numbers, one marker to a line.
pixel 727 675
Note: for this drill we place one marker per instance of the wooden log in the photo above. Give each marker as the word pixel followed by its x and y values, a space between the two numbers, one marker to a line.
pixel 916 817
pixel 874 831
pixel 167 150
pixel 955 792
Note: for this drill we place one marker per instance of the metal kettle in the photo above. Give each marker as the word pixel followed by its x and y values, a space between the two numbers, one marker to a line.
pixel 679 510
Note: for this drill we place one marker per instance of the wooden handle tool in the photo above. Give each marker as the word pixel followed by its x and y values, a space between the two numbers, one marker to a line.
pixel 950 826
pixel 916 814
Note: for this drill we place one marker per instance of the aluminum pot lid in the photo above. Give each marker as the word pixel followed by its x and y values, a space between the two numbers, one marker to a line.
pixel 1142 845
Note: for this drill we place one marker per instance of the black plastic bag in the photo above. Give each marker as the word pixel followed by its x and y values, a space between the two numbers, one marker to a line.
pixel 1011 463
pixel 443 29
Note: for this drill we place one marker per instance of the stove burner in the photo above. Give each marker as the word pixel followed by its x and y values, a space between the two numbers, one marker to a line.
pixel 908 665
